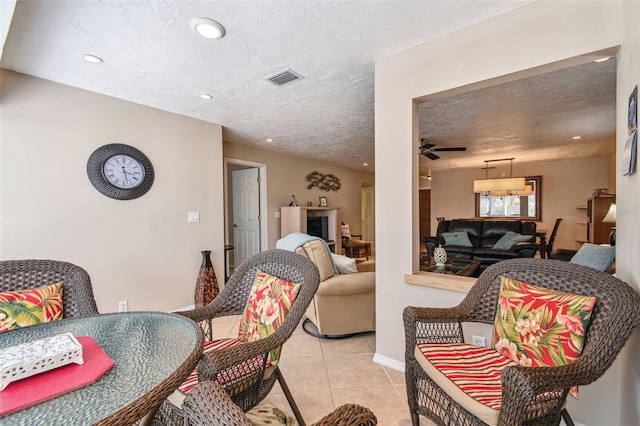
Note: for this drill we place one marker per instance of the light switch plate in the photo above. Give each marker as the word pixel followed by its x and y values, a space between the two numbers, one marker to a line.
pixel 194 217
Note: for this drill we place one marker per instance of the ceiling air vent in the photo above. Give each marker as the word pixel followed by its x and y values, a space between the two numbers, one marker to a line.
pixel 285 77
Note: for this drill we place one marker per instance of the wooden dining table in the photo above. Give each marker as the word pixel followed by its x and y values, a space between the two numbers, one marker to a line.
pixel 153 353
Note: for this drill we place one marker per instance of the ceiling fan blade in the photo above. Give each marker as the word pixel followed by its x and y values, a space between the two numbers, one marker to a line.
pixel 459 148
pixel 426 146
pixel 430 155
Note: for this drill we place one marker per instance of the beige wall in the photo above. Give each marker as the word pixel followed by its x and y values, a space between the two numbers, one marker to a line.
pixel 141 250
pixel 565 185
pixel 628 206
pixel 287 175
pixel 533 36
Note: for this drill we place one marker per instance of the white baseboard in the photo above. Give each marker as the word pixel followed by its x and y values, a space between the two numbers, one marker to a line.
pixel 389 362
pixel 185 308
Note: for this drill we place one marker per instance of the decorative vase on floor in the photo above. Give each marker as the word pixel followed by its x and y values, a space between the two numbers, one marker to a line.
pixel 207 284
pixel 440 255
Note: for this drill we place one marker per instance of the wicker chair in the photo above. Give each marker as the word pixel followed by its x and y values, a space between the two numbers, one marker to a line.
pixel 209 405
pixel 77 293
pixel 529 395
pixel 251 384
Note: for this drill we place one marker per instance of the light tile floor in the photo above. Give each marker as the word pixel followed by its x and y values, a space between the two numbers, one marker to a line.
pixel 325 374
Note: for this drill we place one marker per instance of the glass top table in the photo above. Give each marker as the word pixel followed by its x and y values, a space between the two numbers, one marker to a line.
pixel 153 353
pixel 461 267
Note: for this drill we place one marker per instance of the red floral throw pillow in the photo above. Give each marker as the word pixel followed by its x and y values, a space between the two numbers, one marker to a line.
pixel 269 303
pixel 538 327
pixel 30 307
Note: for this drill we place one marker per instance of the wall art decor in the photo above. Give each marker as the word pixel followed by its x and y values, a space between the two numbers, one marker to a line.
pixel 632 123
pixel 630 147
pixel 323 182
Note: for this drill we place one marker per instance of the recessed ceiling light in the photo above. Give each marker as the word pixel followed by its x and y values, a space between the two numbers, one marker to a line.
pixel 603 59
pixel 365 164
pixel 576 137
pixel 92 58
pixel 208 28
pixel 205 96
pixel 269 140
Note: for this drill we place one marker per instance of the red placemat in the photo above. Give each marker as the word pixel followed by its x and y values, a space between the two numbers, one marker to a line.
pixel 44 386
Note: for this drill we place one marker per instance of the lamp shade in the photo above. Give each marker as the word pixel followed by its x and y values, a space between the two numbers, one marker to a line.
pixel 528 190
pixel 501 184
pixel 610 217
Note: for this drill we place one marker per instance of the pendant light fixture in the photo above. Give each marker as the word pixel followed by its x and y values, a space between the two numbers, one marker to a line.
pixel 505 186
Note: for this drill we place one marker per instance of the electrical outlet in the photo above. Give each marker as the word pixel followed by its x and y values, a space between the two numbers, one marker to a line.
pixel 479 341
pixel 123 306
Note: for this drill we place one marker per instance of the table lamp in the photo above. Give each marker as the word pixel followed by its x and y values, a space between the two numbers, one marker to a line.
pixel 610 217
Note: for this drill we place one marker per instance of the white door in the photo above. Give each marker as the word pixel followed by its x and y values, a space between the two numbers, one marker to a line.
pixel 246 214
pixel 368 214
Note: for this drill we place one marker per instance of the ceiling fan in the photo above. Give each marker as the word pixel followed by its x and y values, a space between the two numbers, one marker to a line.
pixel 428 149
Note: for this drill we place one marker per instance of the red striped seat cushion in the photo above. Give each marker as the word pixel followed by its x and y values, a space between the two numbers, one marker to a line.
pixel 192 380
pixel 466 370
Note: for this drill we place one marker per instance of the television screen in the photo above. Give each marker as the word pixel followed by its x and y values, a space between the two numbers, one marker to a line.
pixel 318 227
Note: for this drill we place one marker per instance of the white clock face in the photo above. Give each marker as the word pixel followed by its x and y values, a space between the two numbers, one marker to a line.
pixel 123 171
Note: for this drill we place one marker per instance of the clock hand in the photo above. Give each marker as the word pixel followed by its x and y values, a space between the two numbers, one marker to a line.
pixel 124 172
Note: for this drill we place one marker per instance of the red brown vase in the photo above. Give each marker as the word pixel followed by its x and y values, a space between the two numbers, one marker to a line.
pixel 207 284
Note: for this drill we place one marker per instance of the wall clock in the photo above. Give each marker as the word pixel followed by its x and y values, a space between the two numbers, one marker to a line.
pixel 120 171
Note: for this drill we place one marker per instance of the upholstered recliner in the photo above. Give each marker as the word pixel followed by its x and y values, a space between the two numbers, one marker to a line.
pixel 482 237
pixel 344 303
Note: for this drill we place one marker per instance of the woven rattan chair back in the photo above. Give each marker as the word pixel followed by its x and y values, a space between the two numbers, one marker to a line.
pixel 608 329
pixel 613 319
pixel 77 293
pixel 232 301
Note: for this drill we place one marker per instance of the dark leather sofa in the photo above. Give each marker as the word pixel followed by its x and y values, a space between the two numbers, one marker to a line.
pixel 483 234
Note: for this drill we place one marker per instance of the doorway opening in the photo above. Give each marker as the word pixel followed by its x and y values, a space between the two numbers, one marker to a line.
pixel 245 200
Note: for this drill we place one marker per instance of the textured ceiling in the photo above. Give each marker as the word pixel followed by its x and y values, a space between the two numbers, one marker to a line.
pixel 532 119
pixel 152 57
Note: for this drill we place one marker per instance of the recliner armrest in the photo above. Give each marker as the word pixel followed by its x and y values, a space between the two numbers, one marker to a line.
pixel 348 284
pixel 526 248
pixel 432 242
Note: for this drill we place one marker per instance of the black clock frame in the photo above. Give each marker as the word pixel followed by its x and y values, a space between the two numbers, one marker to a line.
pixel 95 171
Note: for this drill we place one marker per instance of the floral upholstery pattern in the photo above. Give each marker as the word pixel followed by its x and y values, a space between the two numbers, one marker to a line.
pixel 537 327
pixel 269 303
pixel 30 307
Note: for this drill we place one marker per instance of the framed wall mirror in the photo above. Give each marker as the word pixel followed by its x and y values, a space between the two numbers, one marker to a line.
pixel 524 206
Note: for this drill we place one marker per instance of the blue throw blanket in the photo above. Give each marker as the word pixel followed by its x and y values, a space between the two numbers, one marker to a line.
pixel 297 239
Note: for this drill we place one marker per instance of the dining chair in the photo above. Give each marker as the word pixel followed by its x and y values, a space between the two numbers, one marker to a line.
pixel 246 367
pixel 77 292
pixel 551 240
pixel 209 405
pixel 490 386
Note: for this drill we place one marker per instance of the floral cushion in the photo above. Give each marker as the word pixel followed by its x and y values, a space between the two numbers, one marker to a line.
pixel 538 327
pixel 30 307
pixel 269 303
